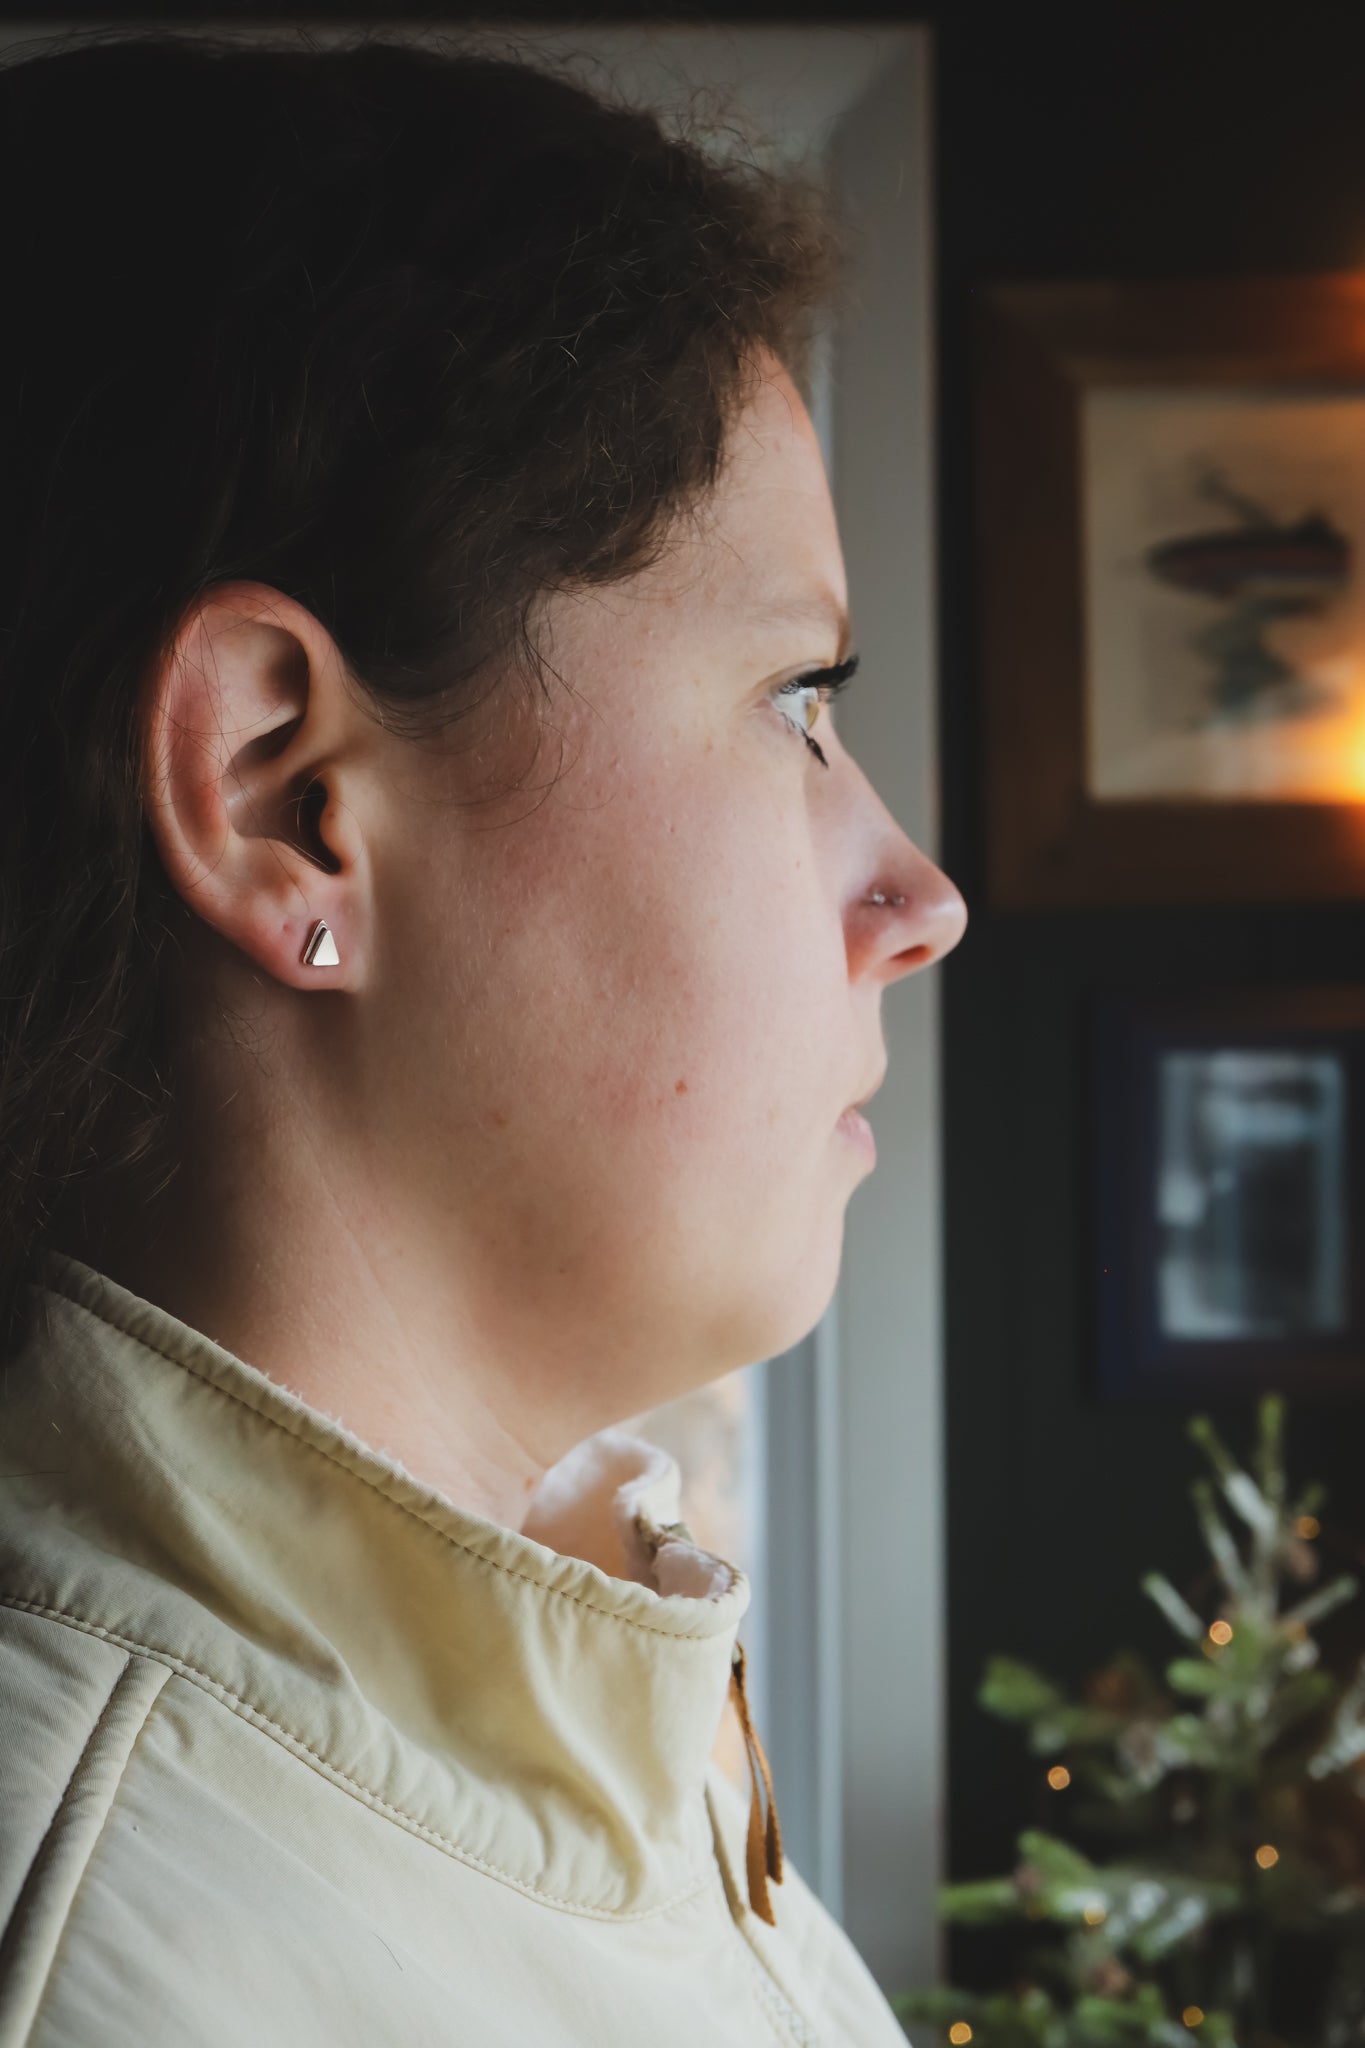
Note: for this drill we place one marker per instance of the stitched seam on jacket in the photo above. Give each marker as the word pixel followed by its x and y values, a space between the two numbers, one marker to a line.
pixel 335 1775
pixel 738 1915
pixel 788 2024
pixel 51 1843
pixel 283 1424
pixel 794 2021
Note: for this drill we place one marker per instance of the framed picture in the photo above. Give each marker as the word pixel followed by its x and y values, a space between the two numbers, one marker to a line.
pixel 1228 1183
pixel 1171 534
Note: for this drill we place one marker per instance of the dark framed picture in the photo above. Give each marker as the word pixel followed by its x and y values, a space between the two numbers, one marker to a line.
pixel 1227 1139
pixel 1171 553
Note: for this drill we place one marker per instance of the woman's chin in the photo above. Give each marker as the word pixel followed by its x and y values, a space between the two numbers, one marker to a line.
pixel 802 1303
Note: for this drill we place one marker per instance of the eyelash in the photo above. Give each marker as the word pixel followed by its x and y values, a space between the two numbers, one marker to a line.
pixel 829 682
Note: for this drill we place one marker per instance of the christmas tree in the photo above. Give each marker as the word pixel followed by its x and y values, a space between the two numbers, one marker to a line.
pixel 1214 1891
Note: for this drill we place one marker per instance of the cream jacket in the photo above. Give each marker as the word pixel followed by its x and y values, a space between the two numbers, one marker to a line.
pixel 296 1754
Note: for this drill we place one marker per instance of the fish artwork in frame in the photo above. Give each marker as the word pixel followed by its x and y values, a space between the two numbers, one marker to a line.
pixel 1171 565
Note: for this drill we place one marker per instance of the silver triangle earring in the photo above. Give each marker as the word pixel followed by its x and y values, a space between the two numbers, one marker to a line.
pixel 321 950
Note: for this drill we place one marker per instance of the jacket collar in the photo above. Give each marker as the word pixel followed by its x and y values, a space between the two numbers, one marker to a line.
pixel 541 1703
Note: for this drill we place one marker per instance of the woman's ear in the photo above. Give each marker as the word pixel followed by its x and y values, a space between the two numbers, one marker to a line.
pixel 249 777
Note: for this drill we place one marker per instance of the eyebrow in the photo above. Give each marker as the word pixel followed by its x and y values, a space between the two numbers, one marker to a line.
pixel 807 608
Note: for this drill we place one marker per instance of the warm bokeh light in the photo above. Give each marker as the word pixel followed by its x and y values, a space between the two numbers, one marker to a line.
pixel 1266 1856
pixel 1059 1777
pixel 1308 760
pixel 959 2032
pixel 1094 1915
pixel 1308 1526
pixel 1192 2015
pixel 1351 759
pixel 1220 1632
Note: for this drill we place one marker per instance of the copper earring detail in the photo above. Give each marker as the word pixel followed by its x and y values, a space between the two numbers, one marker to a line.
pixel 321 950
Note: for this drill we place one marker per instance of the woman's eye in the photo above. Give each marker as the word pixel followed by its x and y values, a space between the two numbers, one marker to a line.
pixel 808 693
pixel 803 703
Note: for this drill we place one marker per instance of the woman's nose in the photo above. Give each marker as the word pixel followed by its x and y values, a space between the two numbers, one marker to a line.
pixel 893 939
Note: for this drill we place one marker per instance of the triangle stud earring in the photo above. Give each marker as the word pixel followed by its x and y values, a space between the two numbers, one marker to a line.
pixel 321 950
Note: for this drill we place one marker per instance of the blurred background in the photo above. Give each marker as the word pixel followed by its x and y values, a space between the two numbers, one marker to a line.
pixel 1094 417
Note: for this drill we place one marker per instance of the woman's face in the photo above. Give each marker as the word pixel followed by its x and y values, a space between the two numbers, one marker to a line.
pixel 610 1022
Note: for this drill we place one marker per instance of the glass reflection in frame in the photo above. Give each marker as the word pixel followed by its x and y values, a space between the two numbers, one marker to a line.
pixel 1251 1194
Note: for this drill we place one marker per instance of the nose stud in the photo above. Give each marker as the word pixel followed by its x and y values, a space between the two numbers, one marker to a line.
pixel 877 897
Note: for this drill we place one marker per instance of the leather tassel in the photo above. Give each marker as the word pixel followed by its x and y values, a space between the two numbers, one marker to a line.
pixel 763 1854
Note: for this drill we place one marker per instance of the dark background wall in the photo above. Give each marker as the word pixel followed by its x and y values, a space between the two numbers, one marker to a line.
pixel 1123 141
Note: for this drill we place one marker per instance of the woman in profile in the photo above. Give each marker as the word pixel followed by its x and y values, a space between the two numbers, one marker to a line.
pixel 442 938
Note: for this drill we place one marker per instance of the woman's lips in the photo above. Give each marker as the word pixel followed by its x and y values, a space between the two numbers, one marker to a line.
pixel 858 1130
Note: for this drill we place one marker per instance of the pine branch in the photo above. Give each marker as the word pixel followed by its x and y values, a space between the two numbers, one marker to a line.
pixel 1230 1834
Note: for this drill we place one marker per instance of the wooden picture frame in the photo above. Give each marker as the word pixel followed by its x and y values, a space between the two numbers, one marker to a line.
pixel 1227 1181
pixel 1043 352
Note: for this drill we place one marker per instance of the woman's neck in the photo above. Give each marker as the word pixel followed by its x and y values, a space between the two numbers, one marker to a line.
pixel 311 1306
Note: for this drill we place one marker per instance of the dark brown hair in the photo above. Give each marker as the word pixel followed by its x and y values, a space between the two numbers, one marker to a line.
pixel 413 335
